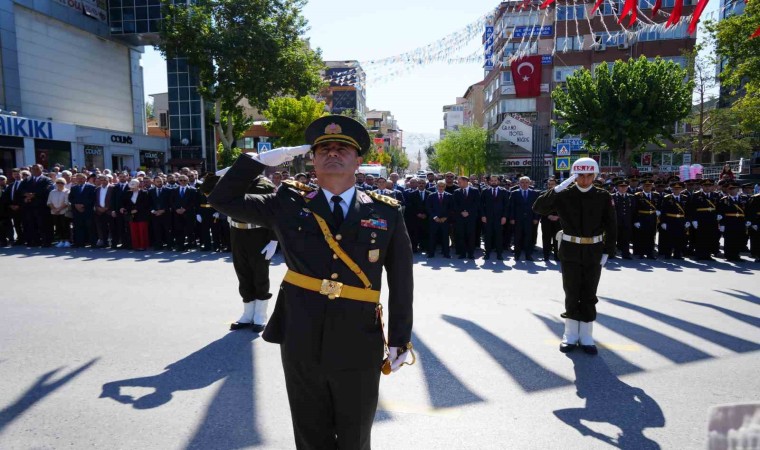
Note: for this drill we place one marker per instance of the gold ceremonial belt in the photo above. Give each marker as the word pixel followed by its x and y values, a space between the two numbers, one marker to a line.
pixel 206 205
pixel 242 225
pixel 332 289
pixel 734 215
pixel 582 240
pixel 705 209
pixel 676 216
pixel 650 211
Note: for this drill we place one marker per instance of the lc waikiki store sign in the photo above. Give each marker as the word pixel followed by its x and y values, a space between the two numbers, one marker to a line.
pixel 36 129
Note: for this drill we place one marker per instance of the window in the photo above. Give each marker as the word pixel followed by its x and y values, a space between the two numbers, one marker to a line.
pixel 510 48
pixel 163 120
pixel 569 44
pixel 506 77
pixel 676 32
pixel 609 8
pixel 517 105
pixel 610 40
pixel 562 72
pixel 248 142
pixel 572 12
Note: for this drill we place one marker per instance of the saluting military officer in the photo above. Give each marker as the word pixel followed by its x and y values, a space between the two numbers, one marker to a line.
pixel 589 228
pixel 336 240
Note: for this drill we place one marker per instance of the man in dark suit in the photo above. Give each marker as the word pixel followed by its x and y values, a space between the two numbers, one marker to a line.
pixel 416 216
pixel 494 202
pixel 6 228
pixel 523 218
pixel 103 219
pixel 550 225
pixel 161 219
pixel 438 207
pixel 183 204
pixel 82 200
pixel 15 200
pixel 37 222
pixel 467 212
pixel 120 234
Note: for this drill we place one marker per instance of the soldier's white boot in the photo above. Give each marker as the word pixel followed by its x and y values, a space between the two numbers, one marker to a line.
pixel 586 338
pixel 570 337
pixel 246 319
pixel 260 315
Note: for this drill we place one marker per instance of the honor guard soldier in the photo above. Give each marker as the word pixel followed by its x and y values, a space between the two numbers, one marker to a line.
pixel 588 239
pixel 328 319
pixel 733 222
pixel 673 223
pixel 625 206
pixel 702 213
pixel 645 220
pixel 252 247
pixel 752 212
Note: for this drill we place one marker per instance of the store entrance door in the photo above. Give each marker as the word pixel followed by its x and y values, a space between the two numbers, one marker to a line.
pixel 122 162
pixel 7 160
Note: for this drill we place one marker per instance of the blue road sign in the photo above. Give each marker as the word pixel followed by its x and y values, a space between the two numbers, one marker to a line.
pixel 561 164
pixel 563 150
pixel 264 147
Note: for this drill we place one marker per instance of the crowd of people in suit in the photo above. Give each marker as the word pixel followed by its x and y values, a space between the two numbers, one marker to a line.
pixel 69 208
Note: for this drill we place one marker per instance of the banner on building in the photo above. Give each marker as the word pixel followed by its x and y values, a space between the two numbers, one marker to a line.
pixel 91 8
pixel 646 159
pixel 488 48
pixel 516 130
pixel 526 75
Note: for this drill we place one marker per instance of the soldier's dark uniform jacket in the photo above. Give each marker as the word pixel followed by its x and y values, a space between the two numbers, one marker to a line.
pixel 339 333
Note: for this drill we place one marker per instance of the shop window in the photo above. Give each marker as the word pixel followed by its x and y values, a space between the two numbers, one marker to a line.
pixel 94 157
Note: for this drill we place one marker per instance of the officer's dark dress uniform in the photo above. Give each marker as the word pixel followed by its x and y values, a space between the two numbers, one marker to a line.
pixel 549 229
pixel 586 215
pixel 646 216
pixel 702 208
pixel 331 346
pixel 625 206
pixel 734 219
pixel 673 238
pixel 752 212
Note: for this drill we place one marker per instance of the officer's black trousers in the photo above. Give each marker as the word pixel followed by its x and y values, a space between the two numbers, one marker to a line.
pixel 251 267
pixel 549 231
pixel 705 236
pixel 331 409
pixel 465 235
pixel 580 281
pixel 624 240
pixel 643 239
pixel 734 238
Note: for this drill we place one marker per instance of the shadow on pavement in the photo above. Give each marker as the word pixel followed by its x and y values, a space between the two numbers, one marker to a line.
pixel 445 390
pixel 230 419
pixel 724 340
pixel 39 390
pixel 742 295
pixel 746 318
pixel 609 400
pixel 527 373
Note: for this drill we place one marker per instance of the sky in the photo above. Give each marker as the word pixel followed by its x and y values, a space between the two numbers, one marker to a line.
pixel 361 30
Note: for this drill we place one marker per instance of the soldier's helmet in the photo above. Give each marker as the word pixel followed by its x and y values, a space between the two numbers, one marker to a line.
pixel 584 165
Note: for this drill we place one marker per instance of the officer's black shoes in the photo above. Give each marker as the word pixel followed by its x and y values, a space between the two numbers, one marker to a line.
pixel 499 257
pixel 529 258
pixel 257 328
pixel 240 325
pixel 589 349
pixel 564 347
pixel 486 256
pixel 471 256
pixel 460 257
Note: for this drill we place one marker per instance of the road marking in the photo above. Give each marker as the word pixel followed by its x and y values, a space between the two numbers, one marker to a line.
pixel 411 408
pixel 619 347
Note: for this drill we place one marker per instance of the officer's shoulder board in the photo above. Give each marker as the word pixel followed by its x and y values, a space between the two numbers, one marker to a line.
pixel 301 188
pixel 383 199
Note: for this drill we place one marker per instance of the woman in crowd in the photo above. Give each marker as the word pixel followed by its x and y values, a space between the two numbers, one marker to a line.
pixel 138 205
pixel 727 173
pixel 58 202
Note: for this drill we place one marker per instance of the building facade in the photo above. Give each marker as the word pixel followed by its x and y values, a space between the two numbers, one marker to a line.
pixel 384 127
pixel 453 116
pixel 346 89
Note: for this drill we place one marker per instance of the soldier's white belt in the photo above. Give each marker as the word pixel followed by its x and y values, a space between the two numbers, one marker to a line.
pixel 582 240
pixel 332 289
pixel 242 225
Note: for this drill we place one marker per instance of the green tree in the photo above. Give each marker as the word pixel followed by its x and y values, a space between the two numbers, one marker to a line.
pixel 398 159
pixel 464 151
pixel 250 49
pixel 225 157
pixel 432 158
pixel 289 117
pixel 149 109
pixel 635 104
pixel 239 123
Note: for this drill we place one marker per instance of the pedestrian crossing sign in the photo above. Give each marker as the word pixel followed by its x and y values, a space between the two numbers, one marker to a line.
pixel 563 150
pixel 562 163
pixel 264 147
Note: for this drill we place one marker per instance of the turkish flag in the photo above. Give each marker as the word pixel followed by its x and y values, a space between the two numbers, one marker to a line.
pixel 526 74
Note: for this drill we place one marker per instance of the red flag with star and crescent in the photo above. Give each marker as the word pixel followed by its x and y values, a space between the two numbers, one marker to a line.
pixel 526 74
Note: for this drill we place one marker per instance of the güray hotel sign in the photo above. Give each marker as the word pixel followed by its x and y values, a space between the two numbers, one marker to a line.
pixel 37 129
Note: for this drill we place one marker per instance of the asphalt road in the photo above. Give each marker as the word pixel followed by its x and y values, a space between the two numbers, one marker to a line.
pixel 122 350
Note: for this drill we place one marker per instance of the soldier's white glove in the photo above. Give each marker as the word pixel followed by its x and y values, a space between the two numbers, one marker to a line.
pixel 198 218
pixel 396 357
pixel 658 213
pixel 720 217
pixel 687 224
pixel 269 249
pixel 604 259
pixel 637 224
pixel 695 224
pixel 280 155
pixel 215 215
pixel 754 227
pixel 221 172
pixel 722 228
pixel 562 186
pixel 748 224
pixel 664 226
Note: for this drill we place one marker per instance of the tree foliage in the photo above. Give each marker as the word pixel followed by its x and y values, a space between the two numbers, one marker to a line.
pixel 465 151
pixel 289 117
pixel 635 104
pixel 239 49
pixel 432 158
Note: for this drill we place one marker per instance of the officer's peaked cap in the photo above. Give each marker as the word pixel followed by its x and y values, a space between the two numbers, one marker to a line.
pixel 336 128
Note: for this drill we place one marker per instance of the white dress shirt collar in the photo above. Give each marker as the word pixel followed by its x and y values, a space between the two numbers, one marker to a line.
pixel 346 197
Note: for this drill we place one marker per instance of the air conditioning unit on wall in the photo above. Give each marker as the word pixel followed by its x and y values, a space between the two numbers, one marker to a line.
pixel 623 46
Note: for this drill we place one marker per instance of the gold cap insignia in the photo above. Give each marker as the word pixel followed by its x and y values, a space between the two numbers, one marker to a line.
pixel 333 128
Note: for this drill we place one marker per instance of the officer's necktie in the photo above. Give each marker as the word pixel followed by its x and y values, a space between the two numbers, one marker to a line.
pixel 337 210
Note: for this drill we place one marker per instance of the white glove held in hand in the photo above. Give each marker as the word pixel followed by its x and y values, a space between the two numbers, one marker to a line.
pixel 637 224
pixel 748 224
pixel 722 228
pixel 216 215
pixel 695 224
pixel 687 224
pixel 277 156
pixel 269 249
pixel 720 217
pixel 604 259
pixel 658 213
pixel 754 227
pixel 397 358
pixel 664 226
pixel 198 218
pixel 562 186
pixel 221 172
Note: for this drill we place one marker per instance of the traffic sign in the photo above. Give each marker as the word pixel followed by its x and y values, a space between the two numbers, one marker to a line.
pixel 562 164
pixel 563 150
pixel 264 147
